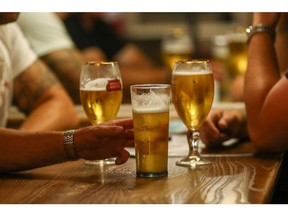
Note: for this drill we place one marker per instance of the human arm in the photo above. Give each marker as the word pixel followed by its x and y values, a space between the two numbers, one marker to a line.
pixel 41 97
pixel 265 91
pixel 50 41
pixel 66 65
pixel 222 125
pixel 21 150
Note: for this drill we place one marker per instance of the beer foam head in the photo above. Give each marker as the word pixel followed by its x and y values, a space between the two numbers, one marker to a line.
pixel 97 84
pixel 150 102
pixel 189 73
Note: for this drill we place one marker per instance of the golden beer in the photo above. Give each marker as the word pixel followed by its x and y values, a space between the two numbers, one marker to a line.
pixel 151 142
pixel 192 95
pixel 176 45
pixel 238 50
pixel 237 62
pixel 100 105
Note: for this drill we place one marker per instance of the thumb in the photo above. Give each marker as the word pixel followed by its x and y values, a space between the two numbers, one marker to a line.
pixel 223 124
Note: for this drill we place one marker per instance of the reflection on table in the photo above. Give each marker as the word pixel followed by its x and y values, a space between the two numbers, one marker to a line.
pixel 230 179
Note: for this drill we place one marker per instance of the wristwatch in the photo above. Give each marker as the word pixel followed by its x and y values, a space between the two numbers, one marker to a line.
pixel 69 147
pixel 260 28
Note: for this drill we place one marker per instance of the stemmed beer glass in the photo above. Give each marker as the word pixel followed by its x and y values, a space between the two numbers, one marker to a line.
pixel 100 94
pixel 192 91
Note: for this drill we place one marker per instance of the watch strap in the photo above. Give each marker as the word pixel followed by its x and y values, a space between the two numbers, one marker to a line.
pixel 69 146
pixel 260 28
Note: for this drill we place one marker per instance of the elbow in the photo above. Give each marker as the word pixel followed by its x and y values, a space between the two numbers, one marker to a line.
pixel 265 141
pixel 68 116
pixel 71 119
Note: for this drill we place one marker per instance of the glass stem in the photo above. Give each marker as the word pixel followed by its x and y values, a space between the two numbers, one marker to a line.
pixel 193 140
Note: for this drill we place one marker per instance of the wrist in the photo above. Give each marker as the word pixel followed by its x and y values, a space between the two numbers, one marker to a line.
pixel 69 147
pixel 260 28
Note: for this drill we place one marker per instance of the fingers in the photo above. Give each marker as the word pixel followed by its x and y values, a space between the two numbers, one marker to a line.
pixel 126 123
pixel 213 130
pixel 122 157
pixel 107 131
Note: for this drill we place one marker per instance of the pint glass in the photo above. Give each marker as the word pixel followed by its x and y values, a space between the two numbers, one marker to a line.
pixel 150 107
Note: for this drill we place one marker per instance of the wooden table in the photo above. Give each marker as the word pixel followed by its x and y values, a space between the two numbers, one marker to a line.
pixel 237 175
pixel 230 179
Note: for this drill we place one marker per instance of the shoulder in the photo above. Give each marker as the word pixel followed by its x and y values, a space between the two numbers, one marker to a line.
pixel 45 32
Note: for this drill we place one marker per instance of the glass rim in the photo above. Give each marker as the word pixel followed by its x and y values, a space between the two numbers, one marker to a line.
pixel 100 62
pixel 147 86
pixel 193 61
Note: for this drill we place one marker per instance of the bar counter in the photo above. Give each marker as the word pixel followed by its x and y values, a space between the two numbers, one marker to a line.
pixel 230 179
pixel 238 175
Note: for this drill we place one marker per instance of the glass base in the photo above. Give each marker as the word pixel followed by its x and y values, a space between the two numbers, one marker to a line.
pixel 108 161
pixel 188 162
pixel 151 175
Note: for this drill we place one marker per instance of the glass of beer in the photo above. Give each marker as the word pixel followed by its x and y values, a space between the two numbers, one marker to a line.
pixel 176 44
pixel 150 108
pixel 192 90
pixel 237 58
pixel 100 94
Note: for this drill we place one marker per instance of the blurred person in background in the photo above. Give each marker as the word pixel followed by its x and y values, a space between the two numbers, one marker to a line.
pixel 98 40
pixel 51 42
pixel 264 119
pixel 32 87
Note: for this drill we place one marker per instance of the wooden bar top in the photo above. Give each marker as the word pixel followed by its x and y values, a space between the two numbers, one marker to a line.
pixel 230 179
pixel 238 175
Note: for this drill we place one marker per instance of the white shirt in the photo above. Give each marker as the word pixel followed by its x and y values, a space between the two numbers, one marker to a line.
pixel 45 32
pixel 15 57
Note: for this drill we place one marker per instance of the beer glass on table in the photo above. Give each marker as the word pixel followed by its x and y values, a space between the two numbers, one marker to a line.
pixel 150 107
pixel 192 91
pixel 176 44
pixel 100 94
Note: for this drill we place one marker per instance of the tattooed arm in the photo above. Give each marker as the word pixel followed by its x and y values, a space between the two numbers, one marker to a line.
pixel 38 93
pixel 66 64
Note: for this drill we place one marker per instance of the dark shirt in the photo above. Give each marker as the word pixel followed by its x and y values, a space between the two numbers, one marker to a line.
pixel 101 35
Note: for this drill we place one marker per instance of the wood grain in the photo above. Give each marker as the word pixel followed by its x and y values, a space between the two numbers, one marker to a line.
pixel 228 180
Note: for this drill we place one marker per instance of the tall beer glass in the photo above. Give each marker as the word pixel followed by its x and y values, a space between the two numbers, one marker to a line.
pixel 100 94
pixel 150 106
pixel 192 94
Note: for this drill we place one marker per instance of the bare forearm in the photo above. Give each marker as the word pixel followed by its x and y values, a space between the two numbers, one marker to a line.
pixel 53 114
pixel 66 64
pixel 262 70
pixel 262 74
pixel 23 150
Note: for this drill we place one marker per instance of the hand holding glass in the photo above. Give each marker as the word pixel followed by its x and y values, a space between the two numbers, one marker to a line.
pixel 192 94
pixel 101 94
